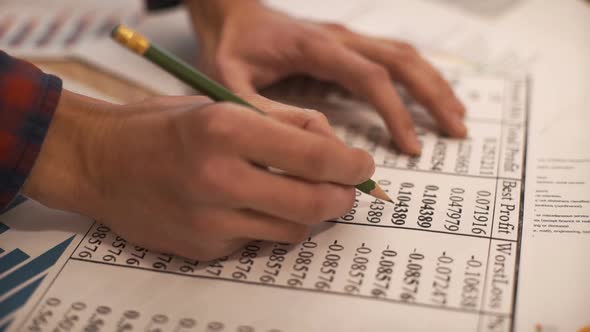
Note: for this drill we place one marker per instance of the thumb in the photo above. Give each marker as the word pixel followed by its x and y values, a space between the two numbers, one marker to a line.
pixel 237 78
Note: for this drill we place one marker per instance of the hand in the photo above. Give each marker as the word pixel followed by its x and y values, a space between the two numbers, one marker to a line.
pixel 178 174
pixel 248 46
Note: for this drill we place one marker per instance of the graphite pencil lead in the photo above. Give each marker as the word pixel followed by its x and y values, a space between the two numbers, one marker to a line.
pixel 381 194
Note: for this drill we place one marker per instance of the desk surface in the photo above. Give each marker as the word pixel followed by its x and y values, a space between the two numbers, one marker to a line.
pixel 102 82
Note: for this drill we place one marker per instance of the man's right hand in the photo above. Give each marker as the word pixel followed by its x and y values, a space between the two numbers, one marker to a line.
pixel 179 174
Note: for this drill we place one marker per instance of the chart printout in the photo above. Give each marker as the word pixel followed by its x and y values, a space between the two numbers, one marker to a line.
pixel 443 256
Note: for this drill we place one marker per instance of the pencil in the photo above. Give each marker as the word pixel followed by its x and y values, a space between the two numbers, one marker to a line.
pixel 199 81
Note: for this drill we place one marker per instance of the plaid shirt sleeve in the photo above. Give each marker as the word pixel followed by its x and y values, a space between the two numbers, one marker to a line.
pixel 28 99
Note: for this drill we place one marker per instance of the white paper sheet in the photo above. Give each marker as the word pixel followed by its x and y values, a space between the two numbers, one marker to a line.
pixel 442 27
pixel 327 10
pixel 446 251
pixel 170 29
pixel 554 291
pixel 55 28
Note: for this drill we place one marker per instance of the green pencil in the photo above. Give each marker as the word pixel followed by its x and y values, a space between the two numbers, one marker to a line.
pixel 199 81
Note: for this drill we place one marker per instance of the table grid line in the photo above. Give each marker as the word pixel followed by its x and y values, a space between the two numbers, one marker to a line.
pixel 527 104
pixel 450 174
pixel 485 278
pixel 421 230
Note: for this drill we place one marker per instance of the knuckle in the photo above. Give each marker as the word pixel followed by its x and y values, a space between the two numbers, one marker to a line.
pixel 316 210
pixel 208 172
pixel 407 48
pixel 316 160
pixel 311 40
pixel 407 53
pixel 319 117
pixel 214 175
pixel 316 119
pixel 377 73
pixel 220 121
pixel 337 27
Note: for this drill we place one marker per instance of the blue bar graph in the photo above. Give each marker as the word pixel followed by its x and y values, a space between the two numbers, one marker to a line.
pixel 33 268
pixel 3 228
pixel 19 199
pixel 12 259
pixel 18 299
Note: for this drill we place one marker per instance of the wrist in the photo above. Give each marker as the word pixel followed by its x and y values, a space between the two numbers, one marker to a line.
pixel 59 178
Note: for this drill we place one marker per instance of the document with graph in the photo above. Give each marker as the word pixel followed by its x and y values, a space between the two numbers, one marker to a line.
pixel 443 257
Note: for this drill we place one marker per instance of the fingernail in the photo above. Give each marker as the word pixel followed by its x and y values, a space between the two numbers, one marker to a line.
pixel 370 170
pixel 462 111
pixel 414 147
pixel 368 164
pixel 459 128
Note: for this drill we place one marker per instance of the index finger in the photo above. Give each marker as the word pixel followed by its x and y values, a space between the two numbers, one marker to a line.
pixel 304 154
pixel 423 81
pixel 335 62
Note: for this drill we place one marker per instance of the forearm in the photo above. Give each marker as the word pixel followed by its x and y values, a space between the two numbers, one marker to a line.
pixel 60 176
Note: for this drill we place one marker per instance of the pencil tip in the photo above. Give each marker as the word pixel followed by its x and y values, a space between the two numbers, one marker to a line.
pixel 381 194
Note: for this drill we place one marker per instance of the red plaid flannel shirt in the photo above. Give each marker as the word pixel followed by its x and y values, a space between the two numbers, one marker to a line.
pixel 28 99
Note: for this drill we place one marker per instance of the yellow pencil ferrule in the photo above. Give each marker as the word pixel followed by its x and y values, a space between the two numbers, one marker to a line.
pixel 131 39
